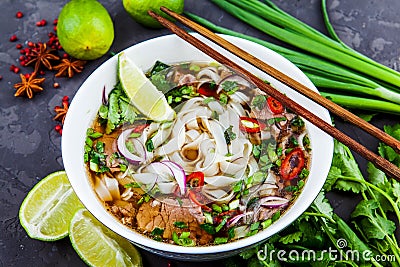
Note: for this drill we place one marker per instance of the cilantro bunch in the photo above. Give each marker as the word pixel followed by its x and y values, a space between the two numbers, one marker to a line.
pixel 117 110
pixel 321 238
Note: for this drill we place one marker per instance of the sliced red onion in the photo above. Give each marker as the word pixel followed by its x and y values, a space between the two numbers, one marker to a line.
pixel 160 169
pixel 146 180
pixel 232 221
pixel 104 98
pixel 273 202
pixel 234 78
pixel 139 147
pixel 209 72
pixel 169 169
pixel 178 173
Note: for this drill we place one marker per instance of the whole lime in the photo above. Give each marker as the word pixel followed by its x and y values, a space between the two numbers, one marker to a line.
pixel 137 9
pixel 85 29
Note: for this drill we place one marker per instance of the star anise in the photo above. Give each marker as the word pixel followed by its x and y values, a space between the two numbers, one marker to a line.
pixel 61 112
pixel 28 86
pixel 68 67
pixel 41 55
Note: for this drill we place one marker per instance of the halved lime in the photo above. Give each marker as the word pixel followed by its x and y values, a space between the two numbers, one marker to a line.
pixel 99 246
pixel 48 208
pixel 142 93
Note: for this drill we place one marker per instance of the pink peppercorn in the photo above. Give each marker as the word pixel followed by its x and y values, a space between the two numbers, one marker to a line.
pixel 13 38
pixel 19 15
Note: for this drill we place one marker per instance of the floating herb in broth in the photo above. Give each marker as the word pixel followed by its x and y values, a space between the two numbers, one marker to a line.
pixel 226 167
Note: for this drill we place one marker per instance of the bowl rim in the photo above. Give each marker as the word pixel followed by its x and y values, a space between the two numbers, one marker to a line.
pixel 73 142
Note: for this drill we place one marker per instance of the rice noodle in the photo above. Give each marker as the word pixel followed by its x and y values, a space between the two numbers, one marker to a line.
pixel 207 154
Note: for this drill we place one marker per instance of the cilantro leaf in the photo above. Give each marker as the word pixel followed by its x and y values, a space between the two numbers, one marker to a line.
pixel 247 254
pixel 377 227
pixel 353 241
pixel 365 208
pixel 229 135
pixel 372 224
pixel 375 176
pixel 322 205
pixel 343 159
pixel 230 87
pixel 396 191
pixel 259 101
pixel 366 116
pixel 113 111
pixel 386 151
pixel 128 112
pixel 291 238
pixel 333 175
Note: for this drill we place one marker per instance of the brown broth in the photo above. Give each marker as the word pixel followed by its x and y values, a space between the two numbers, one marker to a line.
pixel 195 215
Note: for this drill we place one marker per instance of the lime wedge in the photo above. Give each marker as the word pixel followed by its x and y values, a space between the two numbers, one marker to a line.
pixel 142 93
pixel 48 208
pixel 99 246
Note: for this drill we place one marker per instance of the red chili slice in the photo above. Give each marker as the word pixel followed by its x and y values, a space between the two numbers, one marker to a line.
pixel 230 213
pixel 274 105
pixel 140 128
pixel 195 197
pixel 208 89
pixel 292 164
pixel 250 125
pixel 195 179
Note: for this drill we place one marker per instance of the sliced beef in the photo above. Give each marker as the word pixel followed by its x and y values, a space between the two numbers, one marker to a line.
pixel 265 213
pixel 164 214
pixel 125 212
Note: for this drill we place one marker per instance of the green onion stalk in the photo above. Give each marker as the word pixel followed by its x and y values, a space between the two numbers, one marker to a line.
pixel 270 19
pixel 342 85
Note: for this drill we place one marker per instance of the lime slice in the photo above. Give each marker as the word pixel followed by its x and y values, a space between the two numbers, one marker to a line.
pixel 99 246
pixel 142 93
pixel 48 208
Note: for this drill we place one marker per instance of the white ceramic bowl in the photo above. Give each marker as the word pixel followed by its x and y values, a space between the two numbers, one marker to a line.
pixel 171 49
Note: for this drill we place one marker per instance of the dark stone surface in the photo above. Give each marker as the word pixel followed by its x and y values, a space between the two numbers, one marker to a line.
pixel 30 148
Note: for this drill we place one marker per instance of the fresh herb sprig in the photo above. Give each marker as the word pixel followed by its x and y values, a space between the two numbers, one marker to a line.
pixel 117 110
pixel 370 232
pixel 94 152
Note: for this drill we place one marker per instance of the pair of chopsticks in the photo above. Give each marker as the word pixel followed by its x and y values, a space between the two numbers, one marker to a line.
pixel 381 163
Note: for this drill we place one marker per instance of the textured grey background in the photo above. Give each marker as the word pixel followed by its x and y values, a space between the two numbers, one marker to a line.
pixel 30 148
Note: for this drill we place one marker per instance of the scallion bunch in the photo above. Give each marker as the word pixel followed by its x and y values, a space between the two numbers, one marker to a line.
pixel 341 74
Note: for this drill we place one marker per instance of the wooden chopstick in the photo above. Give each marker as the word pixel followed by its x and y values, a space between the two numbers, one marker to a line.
pixel 381 163
pixel 331 106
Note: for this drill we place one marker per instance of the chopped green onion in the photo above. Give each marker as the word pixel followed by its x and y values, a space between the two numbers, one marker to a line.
pixel 209 99
pixel 254 226
pixel 224 207
pixel 266 223
pixel 220 240
pixel 219 226
pixel 276 216
pixel 216 208
pixel 208 217
pixel 181 225
pixel 183 239
pixel 208 227
pixel 283 26
pixel 185 234
pixel 157 231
